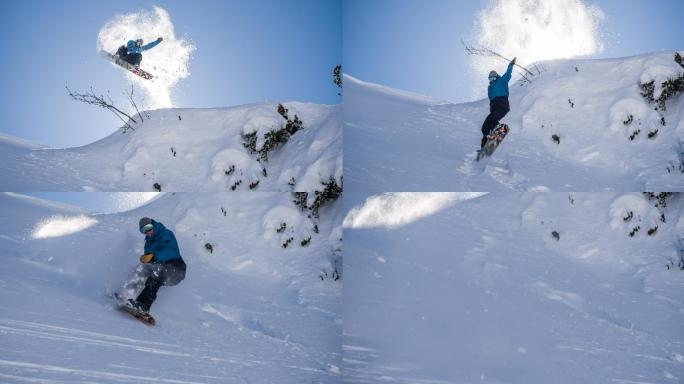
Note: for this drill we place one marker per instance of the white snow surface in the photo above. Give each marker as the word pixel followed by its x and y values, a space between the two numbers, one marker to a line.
pixel 251 311
pixel 398 141
pixel 394 209
pixel 206 142
pixel 483 292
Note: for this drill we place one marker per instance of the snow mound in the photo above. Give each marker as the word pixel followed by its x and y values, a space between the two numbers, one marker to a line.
pixel 579 125
pixel 188 150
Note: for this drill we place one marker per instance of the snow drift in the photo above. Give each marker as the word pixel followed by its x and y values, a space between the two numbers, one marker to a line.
pixel 580 125
pixel 520 288
pixel 187 150
pixel 249 311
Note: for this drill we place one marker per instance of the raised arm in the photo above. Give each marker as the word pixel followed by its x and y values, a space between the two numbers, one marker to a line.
pixel 151 45
pixel 509 71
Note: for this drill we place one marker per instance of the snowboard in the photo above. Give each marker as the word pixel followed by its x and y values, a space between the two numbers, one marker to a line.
pixel 124 307
pixel 124 64
pixel 493 140
pixel 140 315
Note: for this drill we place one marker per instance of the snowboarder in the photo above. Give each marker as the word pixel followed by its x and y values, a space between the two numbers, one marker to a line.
pixel 163 264
pixel 132 51
pixel 498 100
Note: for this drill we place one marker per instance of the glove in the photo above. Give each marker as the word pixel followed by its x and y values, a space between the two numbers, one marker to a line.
pixel 513 61
pixel 160 38
pixel 146 258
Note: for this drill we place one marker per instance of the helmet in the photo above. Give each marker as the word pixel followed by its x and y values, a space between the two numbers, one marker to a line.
pixel 493 75
pixel 145 222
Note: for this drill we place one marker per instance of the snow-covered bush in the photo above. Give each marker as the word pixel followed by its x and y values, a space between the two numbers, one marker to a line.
pixel 669 88
pixel 632 212
pixel 273 138
pixel 330 192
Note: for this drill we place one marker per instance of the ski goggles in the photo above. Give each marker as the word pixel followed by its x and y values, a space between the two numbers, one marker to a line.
pixel 146 228
pixel 492 78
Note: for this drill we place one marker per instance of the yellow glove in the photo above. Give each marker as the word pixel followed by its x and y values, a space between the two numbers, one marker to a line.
pixel 146 258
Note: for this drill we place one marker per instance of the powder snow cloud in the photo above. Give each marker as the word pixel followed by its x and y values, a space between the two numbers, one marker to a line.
pixel 168 61
pixel 535 30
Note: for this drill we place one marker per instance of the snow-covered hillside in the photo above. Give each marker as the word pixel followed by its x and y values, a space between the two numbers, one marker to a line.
pixel 515 288
pixel 250 311
pixel 607 136
pixel 187 150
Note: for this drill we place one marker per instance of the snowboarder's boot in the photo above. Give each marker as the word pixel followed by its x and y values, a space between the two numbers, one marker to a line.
pixel 135 305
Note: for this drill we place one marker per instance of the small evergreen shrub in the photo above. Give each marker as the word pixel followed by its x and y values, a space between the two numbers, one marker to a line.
pixel 283 227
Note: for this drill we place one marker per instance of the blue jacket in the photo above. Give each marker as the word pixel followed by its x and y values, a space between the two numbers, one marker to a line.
pixel 499 86
pixel 134 48
pixel 162 243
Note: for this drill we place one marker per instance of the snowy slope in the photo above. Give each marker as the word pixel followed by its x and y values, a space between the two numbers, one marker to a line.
pixel 482 291
pixel 192 153
pixel 251 311
pixel 396 141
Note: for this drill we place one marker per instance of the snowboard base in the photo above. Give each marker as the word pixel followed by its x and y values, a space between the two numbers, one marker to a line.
pixel 126 65
pixel 493 140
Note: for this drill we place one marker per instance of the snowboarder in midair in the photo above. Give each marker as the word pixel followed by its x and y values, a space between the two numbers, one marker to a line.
pixel 498 100
pixel 132 51
pixel 163 264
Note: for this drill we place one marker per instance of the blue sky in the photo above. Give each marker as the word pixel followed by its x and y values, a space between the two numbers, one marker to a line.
pixel 246 51
pixel 416 45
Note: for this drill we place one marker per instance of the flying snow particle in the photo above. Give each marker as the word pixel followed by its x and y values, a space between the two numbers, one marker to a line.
pixel 168 62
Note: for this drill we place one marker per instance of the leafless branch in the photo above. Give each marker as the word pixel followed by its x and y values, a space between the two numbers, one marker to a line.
pixel 92 98
pixel 487 52
pixel 132 100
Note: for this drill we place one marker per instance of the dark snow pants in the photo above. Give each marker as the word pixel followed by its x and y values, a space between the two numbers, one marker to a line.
pixel 133 59
pixel 498 108
pixel 168 273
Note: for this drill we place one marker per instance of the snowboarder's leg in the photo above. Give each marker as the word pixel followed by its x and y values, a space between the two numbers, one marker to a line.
pixel 487 127
pixel 133 59
pixel 169 273
pixel 149 293
pixel 498 108
pixel 136 58
pixel 174 272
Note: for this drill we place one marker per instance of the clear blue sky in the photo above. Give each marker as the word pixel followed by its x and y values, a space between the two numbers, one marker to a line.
pixel 415 45
pixel 246 51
